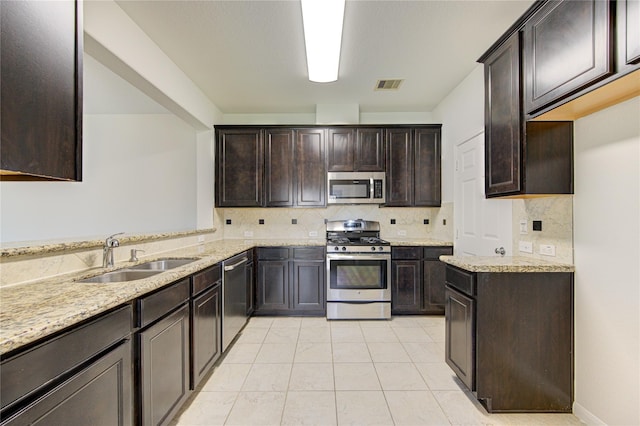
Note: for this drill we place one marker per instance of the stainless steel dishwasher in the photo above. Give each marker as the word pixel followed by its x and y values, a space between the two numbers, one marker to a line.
pixel 234 297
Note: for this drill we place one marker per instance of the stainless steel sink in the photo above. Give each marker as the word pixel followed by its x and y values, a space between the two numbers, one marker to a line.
pixel 162 264
pixel 120 276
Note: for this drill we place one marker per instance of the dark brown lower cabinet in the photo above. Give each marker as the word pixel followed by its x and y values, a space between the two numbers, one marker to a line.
pixel 509 337
pixel 206 343
pixel 308 286
pixel 417 279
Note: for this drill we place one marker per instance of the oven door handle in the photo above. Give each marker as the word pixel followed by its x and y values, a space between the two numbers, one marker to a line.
pixel 331 256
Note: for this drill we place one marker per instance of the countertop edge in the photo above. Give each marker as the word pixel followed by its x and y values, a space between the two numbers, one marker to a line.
pixel 505 264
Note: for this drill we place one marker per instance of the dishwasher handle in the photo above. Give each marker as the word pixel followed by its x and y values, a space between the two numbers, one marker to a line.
pixel 235 265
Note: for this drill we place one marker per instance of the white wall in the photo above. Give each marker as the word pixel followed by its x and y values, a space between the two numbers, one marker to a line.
pixel 607 253
pixel 138 176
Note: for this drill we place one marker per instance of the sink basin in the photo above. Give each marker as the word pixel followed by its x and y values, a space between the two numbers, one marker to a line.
pixel 120 276
pixel 162 264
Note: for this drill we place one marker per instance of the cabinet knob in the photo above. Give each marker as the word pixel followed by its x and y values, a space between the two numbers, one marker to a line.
pixel 501 251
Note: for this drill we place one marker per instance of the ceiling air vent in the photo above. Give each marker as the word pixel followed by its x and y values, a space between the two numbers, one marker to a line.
pixel 388 84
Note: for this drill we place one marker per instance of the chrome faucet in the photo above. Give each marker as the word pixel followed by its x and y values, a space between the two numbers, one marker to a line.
pixel 107 250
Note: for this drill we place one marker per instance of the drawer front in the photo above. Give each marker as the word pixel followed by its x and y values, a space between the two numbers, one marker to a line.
pixel 155 306
pixel 434 253
pixel 406 253
pixel 32 369
pixel 308 253
pixel 461 280
pixel 273 253
pixel 206 279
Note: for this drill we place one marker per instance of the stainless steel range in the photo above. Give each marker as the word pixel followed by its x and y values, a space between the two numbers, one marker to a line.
pixel 358 271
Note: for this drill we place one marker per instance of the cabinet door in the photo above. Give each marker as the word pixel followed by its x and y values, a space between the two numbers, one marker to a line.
pixel 308 291
pixel 427 168
pixel 279 167
pixel 503 130
pixel 340 150
pixel 369 154
pixel 311 168
pixel 100 394
pixel 273 285
pixel 406 287
pixel 239 170
pixel 460 336
pixel 41 89
pixel 399 167
pixel 433 277
pixel 628 35
pixel 164 368
pixel 251 289
pixel 206 338
pixel 567 46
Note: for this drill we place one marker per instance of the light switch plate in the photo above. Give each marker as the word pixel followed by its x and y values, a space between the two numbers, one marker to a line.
pixel 313 233
pixel 547 249
pixel 525 247
pixel 523 227
pixel 402 233
pixel 201 238
pixel 248 234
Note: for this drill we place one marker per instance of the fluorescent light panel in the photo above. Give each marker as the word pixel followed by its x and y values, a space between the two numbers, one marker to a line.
pixel 322 20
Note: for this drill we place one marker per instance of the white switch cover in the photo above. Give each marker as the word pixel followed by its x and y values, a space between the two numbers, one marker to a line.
pixel 548 249
pixel 523 228
pixel 248 234
pixel 402 233
pixel 313 233
pixel 201 238
pixel 526 247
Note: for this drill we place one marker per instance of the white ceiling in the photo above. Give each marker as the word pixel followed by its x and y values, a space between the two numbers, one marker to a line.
pixel 249 57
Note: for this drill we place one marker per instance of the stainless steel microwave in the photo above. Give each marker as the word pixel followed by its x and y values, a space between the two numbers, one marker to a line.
pixel 356 187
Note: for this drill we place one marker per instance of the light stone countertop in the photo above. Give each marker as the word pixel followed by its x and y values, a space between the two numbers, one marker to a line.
pixel 418 242
pixel 505 264
pixel 29 312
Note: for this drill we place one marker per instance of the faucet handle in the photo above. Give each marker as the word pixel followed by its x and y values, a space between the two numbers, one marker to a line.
pixel 112 242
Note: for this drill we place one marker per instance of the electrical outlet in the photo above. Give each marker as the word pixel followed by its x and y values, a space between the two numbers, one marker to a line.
pixel 402 233
pixel 523 228
pixel 313 233
pixel 248 234
pixel 201 238
pixel 547 249
pixel 526 246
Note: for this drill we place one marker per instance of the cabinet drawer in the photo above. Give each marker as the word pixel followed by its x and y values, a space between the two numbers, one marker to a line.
pixel 158 304
pixel 273 253
pixel 408 253
pixel 434 253
pixel 44 363
pixel 309 253
pixel 206 279
pixel 461 280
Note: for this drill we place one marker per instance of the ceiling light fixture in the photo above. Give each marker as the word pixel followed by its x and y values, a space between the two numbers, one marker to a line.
pixel 322 21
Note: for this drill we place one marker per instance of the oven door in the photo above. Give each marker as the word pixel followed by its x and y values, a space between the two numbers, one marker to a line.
pixel 358 277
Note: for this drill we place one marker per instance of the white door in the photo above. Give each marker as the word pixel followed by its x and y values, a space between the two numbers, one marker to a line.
pixel 481 225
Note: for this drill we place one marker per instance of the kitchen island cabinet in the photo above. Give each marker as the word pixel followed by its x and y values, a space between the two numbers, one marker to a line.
pixel 509 336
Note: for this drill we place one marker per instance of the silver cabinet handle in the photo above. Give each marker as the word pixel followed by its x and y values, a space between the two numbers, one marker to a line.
pixel 501 251
pixel 235 265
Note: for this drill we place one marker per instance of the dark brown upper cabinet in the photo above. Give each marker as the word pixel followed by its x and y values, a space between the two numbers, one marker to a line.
pixel 628 34
pixel 239 168
pixel 413 166
pixel 521 158
pixel 41 90
pixel 355 150
pixel 568 46
pixel 279 167
pixel 311 169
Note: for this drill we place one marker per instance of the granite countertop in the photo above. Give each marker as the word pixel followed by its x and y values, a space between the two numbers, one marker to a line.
pixel 418 242
pixel 505 264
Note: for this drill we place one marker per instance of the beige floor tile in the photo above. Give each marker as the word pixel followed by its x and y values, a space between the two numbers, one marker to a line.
pixel 259 322
pixel 282 335
pixel 276 353
pixel 542 419
pixel 207 409
pixel 413 408
pixel 379 334
pixel 388 352
pixel 439 376
pixel 253 335
pixel 430 321
pixel 227 377
pixel 424 352
pixel 362 408
pixel 404 321
pixel 374 324
pixel 242 353
pixel 356 376
pixel 462 409
pixel 286 322
pixel 257 408
pixel 310 408
pixel 267 377
pixel 315 334
pixel 347 334
pixel 436 332
pixel 315 322
pixel 350 352
pixel 344 324
pixel 412 334
pixel 311 377
pixel 399 376
pixel 313 352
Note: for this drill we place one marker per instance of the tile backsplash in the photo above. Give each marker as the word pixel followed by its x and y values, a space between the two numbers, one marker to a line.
pixel 245 223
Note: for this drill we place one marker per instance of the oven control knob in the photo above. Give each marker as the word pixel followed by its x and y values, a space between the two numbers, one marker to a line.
pixel 380 249
pixel 336 248
pixel 344 249
pixel 373 249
